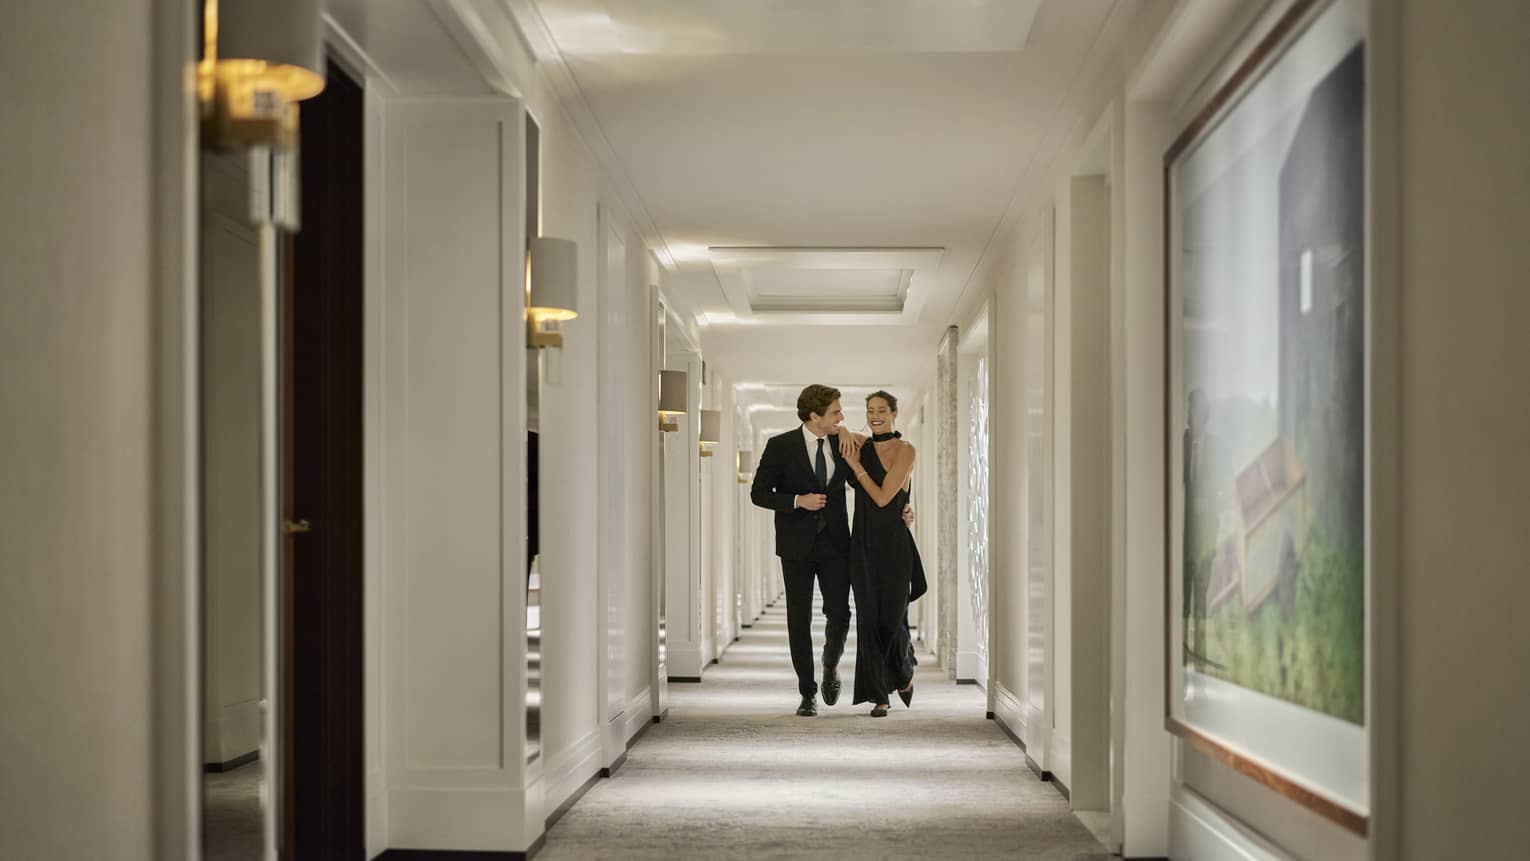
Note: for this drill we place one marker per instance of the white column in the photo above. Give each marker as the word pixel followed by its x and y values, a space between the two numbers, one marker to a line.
pixel 1145 799
pixel 452 479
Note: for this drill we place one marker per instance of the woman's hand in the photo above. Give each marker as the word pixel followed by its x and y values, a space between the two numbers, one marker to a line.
pixel 846 442
pixel 849 446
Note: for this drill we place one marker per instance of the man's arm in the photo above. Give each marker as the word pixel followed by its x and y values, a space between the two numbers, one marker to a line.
pixel 767 477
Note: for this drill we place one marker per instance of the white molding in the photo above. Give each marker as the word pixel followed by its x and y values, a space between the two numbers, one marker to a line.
pixel 1008 710
pixel 475 38
pixel 569 770
pixel 1199 830
pixel 349 53
pixel 538 36
pixel 374 475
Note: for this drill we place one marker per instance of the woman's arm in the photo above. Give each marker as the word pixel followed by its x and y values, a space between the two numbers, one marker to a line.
pixel 897 476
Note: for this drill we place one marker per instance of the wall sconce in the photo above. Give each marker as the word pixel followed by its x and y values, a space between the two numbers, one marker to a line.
pixel 745 466
pixel 673 400
pixel 552 289
pixel 259 59
pixel 711 430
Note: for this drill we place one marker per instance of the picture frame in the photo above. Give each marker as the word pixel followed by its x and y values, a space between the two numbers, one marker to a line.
pixel 1267 449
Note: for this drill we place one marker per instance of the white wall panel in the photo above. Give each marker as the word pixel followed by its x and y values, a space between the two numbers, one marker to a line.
pixel 452 409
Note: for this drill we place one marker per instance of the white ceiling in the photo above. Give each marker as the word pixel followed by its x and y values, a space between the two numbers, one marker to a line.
pixel 846 124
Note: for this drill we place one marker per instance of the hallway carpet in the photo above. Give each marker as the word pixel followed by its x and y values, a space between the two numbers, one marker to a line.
pixel 732 773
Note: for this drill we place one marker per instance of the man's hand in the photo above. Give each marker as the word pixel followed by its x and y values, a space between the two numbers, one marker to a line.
pixel 812 501
pixel 908 516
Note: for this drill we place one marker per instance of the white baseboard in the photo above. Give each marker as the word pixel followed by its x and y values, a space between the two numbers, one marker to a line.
pixel 1008 711
pixel 376 814
pixel 235 733
pixel 1199 830
pixel 485 819
pixel 1060 758
pixel 567 771
pixel 968 668
pixel 685 660
pixel 636 714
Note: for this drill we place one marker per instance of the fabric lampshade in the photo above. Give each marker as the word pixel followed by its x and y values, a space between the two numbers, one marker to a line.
pixel 553 277
pixel 711 426
pixel 673 387
pixel 276 45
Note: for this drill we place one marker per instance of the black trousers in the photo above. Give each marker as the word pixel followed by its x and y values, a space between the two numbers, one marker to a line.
pixel 833 573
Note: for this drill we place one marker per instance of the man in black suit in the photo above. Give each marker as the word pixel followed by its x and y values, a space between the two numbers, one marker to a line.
pixel 801 477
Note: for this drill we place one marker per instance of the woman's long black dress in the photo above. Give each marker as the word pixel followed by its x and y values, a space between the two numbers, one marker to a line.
pixel 884 566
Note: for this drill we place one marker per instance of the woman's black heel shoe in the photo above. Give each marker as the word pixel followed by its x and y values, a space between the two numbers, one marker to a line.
pixel 907 695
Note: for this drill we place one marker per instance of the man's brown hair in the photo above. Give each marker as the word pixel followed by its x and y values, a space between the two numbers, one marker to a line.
pixel 815 399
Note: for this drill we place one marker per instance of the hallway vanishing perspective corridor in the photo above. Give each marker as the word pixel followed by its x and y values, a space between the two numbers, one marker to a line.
pixel 414 412
pixel 733 773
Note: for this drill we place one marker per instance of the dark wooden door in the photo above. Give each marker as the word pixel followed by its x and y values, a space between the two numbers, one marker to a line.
pixel 322 649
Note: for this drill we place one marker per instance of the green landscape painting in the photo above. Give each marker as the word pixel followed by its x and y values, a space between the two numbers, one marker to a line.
pixel 1274 447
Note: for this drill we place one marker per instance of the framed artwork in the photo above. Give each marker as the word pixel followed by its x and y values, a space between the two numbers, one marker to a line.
pixel 1268 469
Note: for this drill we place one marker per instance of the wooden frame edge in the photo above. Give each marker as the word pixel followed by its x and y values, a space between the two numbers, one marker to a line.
pixel 1276 782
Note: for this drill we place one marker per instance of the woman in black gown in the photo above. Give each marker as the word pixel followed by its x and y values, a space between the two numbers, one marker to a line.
pixel 885 572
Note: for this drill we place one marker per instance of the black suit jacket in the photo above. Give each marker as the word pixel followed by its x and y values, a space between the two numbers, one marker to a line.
pixel 783 473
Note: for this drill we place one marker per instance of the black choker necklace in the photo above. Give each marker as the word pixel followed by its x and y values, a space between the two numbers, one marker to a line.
pixel 884 437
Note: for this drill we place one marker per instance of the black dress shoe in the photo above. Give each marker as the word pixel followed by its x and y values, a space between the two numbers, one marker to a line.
pixel 830 686
pixel 908 695
pixel 808 708
pixel 879 711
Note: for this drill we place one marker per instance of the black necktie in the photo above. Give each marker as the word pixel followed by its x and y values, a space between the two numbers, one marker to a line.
pixel 821 469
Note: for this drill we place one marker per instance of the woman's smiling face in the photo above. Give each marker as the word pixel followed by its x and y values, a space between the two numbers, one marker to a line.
pixel 880 415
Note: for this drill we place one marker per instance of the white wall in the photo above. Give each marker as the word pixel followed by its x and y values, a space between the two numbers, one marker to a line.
pixel 1463 180
pixel 623 462
pixel 571 734
pixel 97 341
